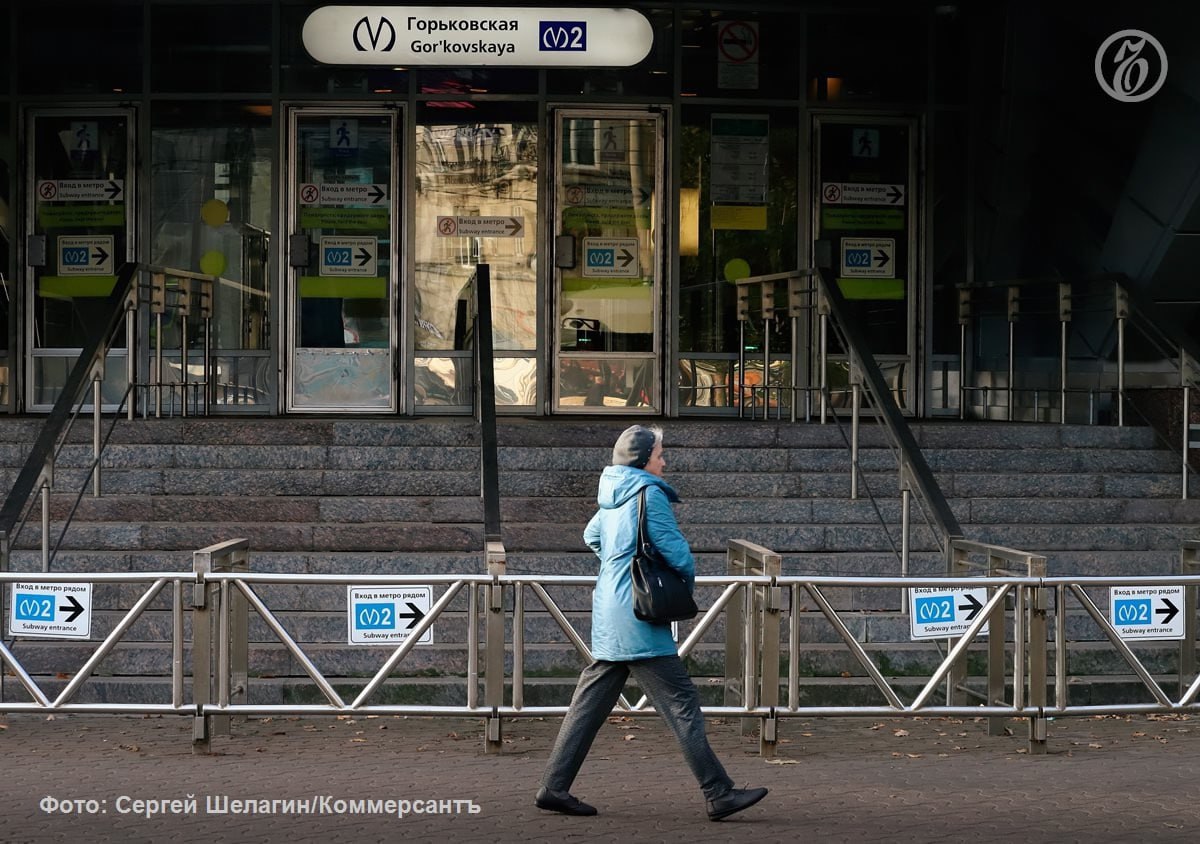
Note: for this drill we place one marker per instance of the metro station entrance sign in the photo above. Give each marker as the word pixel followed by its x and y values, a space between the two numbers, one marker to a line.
pixel 477 35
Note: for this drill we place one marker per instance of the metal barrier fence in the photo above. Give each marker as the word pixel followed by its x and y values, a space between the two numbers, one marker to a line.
pixel 754 600
pixel 62 702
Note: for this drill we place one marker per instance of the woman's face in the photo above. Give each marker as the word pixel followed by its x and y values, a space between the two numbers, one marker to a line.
pixel 656 465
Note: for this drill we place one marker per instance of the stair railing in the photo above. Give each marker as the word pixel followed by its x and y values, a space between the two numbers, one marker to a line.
pixel 160 290
pixel 1113 307
pixel 813 290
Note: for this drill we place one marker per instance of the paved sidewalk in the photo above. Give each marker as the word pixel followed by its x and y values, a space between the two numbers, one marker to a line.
pixel 927 780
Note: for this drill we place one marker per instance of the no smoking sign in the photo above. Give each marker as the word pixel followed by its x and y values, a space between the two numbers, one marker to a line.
pixel 738 41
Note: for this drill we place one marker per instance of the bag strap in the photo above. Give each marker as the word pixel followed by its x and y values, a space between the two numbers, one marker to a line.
pixel 643 535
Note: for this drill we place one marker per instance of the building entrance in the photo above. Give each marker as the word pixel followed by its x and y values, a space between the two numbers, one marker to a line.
pixel 81 218
pixel 343 335
pixel 608 259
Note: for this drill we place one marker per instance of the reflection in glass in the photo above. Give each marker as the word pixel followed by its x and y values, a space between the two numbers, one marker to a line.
pixel 447 381
pixel 477 171
pixel 715 383
pixel 606 302
pixel 606 382
pixel 50 373
pixel 608 305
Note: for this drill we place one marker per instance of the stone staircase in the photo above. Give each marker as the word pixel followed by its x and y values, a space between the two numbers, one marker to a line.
pixel 368 496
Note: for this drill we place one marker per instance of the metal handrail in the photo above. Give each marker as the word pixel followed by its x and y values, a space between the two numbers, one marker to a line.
pixel 122 304
pixel 915 471
pixel 826 299
pixel 38 470
pixel 1127 306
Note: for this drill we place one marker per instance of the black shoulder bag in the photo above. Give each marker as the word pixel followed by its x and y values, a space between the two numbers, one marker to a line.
pixel 660 593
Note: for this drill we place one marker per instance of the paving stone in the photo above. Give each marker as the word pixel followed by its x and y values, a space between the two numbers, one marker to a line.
pixel 1113 779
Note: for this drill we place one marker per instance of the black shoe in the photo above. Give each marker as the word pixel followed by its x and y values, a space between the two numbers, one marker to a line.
pixel 561 801
pixel 734 801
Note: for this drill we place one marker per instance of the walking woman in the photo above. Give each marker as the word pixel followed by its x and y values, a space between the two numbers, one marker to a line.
pixel 624 645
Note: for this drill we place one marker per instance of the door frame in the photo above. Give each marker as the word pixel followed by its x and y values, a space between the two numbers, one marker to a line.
pixel 398 335
pixel 914 292
pixel 660 295
pixel 29 116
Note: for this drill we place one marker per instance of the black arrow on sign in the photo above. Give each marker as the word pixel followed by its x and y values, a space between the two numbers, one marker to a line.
pixel 514 226
pixel 75 609
pixel 114 190
pixel 882 257
pixel 1170 610
pixel 416 615
pixel 376 193
pixel 100 255
pixel 626 258
pixel 973 606
pixel 895 194
pixel 363 256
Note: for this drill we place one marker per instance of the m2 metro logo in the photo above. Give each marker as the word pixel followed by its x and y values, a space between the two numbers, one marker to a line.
pixel 477 36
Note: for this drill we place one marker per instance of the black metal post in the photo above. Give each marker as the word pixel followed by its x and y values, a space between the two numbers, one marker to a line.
pixel 485 377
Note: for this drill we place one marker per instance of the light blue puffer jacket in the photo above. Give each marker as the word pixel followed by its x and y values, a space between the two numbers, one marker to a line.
pixel 617 634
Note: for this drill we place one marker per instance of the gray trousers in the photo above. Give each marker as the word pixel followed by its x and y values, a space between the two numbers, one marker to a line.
pixel 666 683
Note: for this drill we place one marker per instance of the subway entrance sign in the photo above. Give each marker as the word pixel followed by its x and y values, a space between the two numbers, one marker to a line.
pixel 50 610
pixel 387 615
pixel 610 257
pixel 1147 612
pixel 937 613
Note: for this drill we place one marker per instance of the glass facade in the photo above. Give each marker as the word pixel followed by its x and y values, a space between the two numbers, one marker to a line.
pixel 619 208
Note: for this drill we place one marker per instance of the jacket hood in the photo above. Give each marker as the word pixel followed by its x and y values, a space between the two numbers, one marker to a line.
pixel 618 484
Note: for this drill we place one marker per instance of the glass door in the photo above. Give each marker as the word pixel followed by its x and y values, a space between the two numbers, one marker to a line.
pixel 608 261
pixel 865 209
pixel 81 219
pixel 343 336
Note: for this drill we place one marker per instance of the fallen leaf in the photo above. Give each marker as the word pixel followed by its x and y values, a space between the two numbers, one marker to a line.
pixel 1096 745
pixel 1138 734
pixel 807 735
pixel 913 755
pixel 132 748
pixel 897 755
pixel 900 733
pixel 782 762
pixel 628 737
pixel 358 740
